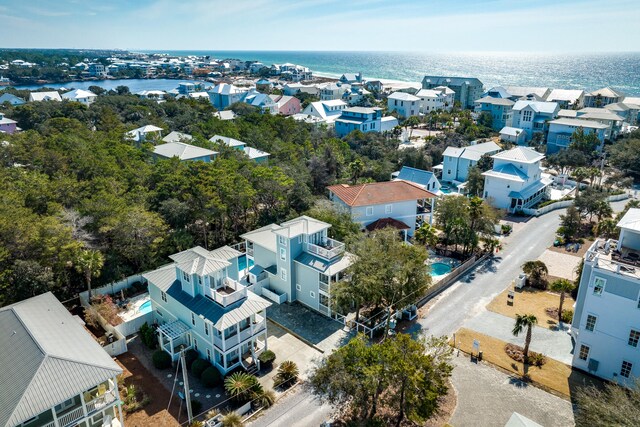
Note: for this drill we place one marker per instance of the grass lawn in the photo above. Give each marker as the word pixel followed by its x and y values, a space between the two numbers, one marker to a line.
pixel 530 300
pixel 553 375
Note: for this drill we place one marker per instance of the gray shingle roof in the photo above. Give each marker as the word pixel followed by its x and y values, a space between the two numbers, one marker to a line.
pixel 182 151
pixel 46 358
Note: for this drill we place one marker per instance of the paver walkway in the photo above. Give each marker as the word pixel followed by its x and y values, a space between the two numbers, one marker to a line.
pixel 487 397
pixel 554 344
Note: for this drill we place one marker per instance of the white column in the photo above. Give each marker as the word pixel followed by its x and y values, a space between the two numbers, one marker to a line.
pixel 117 391
pixel 84 405
pixel 55 418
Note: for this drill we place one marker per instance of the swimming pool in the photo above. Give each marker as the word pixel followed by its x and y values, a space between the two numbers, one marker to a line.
pixel 145 307
pixel 445 189
pixel 440 269
pixel 242 263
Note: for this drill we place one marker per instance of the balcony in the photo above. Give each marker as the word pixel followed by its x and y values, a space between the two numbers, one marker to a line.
pixel 604 254
pixel 327 249
pixel 71 417
pixel 101 402
pixel 229 292
pixel 324 287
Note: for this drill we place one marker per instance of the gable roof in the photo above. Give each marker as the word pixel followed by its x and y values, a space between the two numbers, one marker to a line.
pixel 227 141
pixel 376 193
pixel 182 151
pixel 418 176
pixel 45 96
pixel 570 95
pixel 177 137
pixel 607 92
pixel 520 91
pixel 403 96
pixel 451 81
pixel 630 220
pixel 495 101
pixel 578 123
pixel 511 131
pixel 520 154
pixel 79 94
pixel 537 106
pixel 51 358
pixel 472 152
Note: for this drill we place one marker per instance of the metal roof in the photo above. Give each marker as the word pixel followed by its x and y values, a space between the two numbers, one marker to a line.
pixel 175 136
pixel 507 171
pixel 630 220
pixel 520 154
pixel 511 131
pixel 47 357
pixel 578 123
pixel 182 151
pixel 418 176
pixel 227 141
pixel 537 106
pixel 495 101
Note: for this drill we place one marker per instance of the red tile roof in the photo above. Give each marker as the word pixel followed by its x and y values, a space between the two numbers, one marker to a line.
pixel 377 193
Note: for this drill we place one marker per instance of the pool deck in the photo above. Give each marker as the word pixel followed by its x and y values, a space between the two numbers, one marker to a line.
pixel 134 307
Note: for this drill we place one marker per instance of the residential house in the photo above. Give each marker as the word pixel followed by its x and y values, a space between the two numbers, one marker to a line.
pixel 297 261
pixel 467 89
pixel 97 70
pixel 287 105
pixel 388 123
pixel 525 92
pixel 364 119
pixel 498 108
pixel 515 182
pixel 327 111
pixel 291 89
pixel 601 115
pixel 497 92
pixel 605 326
pixel 369 203
pixel 11 99
pixel 404 104
pixel 567 98
pixel 562 129
pixel 512 135
pixel 457 161
pixel 200 302
pixel 7 125
pixel 603 97
pixel 175 136
pixel 254 154
pixel 184 152
pixel 332 91
pixel 54 373
pixel 533 117
pixel 356 95
pixel 628 111
pixel 352 78
pixel 225 115
pixel 144 133
pixel 152 94
pixel 256 67
pixel 82 96
pixel 224 94
pixel 44 96
pixel 264 86
pixel 424 179
pixel 438 98
pixel 261 101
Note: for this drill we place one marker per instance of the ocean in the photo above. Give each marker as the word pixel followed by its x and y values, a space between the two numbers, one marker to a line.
pixel 564 71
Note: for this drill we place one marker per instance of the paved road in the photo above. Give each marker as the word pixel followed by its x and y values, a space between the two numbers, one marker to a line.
pixel 299 408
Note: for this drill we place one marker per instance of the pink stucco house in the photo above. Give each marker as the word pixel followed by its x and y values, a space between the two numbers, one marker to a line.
pixel 7 125
pixel 287 105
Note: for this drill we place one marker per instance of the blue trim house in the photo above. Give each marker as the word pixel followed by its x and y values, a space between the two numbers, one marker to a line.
pixel 364 119
pixel 423 178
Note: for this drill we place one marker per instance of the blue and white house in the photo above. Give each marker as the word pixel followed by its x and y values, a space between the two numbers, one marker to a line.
pixel 561 132
pixel 606 326
pixel 404 104
pixel 498 108
pixel 515 182
pixel 603 97
pixel 224 94
pixel 11 99
pixel 364 119
pixel 438 98
pixel 324 111
pixel 458 160
pixel 296 261
pixel 423 178
pixel 254 154
pixel 533 117
pixel 200 301
pixel 512 135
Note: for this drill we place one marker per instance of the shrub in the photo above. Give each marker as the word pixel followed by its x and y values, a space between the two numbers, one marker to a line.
pixel 196 423
pixel 265 399
pixel 211 377
pixel 161 359
pixel 242 386
pixel 199 366
pixel 537 359
pixel 232 419
pixel 267 357
pixel 132 399
pixel 287 374
pixel 196 406
pixel 567 316
pixel 190 356
pixel 148 336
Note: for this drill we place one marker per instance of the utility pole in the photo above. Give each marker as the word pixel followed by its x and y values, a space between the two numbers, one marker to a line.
pixel 185 378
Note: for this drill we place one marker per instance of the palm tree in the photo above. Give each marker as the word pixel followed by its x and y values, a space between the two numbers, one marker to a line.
pixel 356 168
pixel 89 263
pixel 242 386
pixel 525 321
pixel 266 398
pixel 563 286
pixel 580 174
pixel 426 235
pixel 232 419
pixel 536 270
pixel 287 373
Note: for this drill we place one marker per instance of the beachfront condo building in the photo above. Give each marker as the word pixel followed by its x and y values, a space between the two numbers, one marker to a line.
pixel 466 89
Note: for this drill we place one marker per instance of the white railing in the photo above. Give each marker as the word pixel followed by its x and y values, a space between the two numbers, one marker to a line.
pixel 323 287
pixel 223 299
pixel 71 417
pixel 323 309
pixel 51 424
pixel 328 250
pixel 101 402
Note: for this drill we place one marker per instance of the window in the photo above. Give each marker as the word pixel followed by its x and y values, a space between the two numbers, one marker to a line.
pixel 312 294
pixel 584 352
pixel 283 254
pixel 634 337
pixel 283 274
pixel 369 211
pixel 625 369
pixel 164 296
pixel 638 302
pixel 208 355
pixel 185 277
pixel 64 405
pixel 206 328
pixel 300 238
pixel 193 319
pixel 159 313
pixel 281 240
pixel 195 344
pixel 591 322
pixel 598 285
pixel 298 287
pixel 199 280
pixel 388 209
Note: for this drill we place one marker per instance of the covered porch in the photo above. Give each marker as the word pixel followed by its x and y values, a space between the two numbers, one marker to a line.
pixel 382 223
pixel 529 196
pixel 174 337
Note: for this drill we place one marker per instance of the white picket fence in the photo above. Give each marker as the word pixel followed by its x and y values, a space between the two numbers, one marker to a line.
pixel 566 204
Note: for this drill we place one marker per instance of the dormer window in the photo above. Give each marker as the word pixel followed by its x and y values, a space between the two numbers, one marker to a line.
pixel 282 240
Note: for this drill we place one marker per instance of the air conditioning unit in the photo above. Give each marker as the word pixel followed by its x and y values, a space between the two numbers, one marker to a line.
pixel 521 281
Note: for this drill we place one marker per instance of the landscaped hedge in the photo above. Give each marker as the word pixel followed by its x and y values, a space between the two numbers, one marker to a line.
pixel 211 377
pixel 199 366
pixel 190 356
pixel 148 336
pixel 266 358
pixel 161 359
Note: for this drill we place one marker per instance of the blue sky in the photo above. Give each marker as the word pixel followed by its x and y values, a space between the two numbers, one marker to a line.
pixel 383 25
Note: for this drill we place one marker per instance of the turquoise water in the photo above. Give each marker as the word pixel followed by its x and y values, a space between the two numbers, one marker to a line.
pixel 588 71
pixel 145 307
pixel 242 263
pixel 440 269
